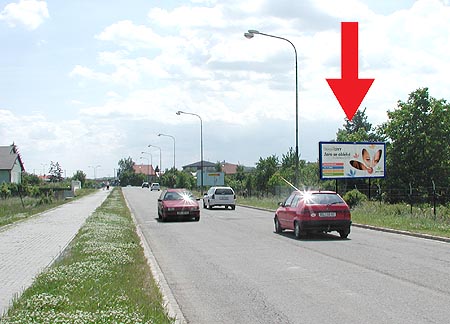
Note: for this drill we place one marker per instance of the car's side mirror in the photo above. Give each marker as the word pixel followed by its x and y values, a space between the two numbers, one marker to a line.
pixel 198 199
pixel 160 200
pixel 281 204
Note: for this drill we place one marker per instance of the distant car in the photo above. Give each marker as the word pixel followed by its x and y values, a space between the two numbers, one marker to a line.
pixel 178 203
pixel 313 211
pixel 220 196
pixel 145 185
pixel 155 186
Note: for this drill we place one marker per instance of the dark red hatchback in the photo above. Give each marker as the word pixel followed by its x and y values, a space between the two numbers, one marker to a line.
pixel 313 211
pixel 178 203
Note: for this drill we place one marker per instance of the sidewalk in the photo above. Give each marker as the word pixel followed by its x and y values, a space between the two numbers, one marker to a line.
pixel 27 247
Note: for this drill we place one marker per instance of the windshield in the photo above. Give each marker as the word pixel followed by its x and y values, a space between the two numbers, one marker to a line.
pixel 183 195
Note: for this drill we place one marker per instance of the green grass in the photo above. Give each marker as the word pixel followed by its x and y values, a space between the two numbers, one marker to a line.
pixel 399 216
pixel 11 209
pixel 395 216
pixel 266 202
pixel 103 277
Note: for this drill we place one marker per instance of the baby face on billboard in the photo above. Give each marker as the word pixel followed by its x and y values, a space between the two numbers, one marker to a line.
pixel 368 162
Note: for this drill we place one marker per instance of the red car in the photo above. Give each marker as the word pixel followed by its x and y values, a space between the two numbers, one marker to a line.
pixel 313 211
pixel 178 203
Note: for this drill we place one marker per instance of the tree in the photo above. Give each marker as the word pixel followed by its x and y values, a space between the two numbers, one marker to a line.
pixel 418 135
pixel 127 175
pixel 265 169
pixel 55 172
pixel 80 176
pixel 125 165
pixel 288 165
pixel 357 130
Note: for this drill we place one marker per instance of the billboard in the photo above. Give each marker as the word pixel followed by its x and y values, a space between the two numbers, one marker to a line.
pixel 211 178
pixel 346 160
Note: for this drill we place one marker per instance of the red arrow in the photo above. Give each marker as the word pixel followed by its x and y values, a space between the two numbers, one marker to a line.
pixel 349 89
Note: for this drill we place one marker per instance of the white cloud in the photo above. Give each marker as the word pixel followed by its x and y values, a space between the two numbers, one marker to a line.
pixel 30 13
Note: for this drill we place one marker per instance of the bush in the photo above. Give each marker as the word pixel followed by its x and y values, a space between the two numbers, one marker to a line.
pixel 354 198
pixel 5 191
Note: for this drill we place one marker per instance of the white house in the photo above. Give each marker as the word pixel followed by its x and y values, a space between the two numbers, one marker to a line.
pixel 11 166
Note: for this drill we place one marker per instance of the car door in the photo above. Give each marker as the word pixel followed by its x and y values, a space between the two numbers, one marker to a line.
pixel 291 211
pixel 283 212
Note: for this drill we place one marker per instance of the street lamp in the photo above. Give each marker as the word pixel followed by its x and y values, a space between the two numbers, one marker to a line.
pixel 151 157
pixel 201 146
pixel 172 137
pixel 43 168
pixel 250 34
pixel 95 169
pixel 160 166
pixel 148 167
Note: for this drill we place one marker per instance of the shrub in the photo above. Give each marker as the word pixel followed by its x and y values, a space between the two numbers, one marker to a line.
pixel 354 197
pixel 5 192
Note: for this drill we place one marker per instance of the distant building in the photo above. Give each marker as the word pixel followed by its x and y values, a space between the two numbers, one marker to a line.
pixel 11 165
pixel 194 167
pixel 144 169
pixel 229 168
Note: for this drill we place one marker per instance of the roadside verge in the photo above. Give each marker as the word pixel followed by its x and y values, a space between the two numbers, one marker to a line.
pixel 376 228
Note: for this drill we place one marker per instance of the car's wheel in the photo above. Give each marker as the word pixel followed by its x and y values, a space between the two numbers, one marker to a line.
pixel 298 232
pixel 209 205
pixel 344 233
pixel 204 204
pixel 278 228
pixel 197 218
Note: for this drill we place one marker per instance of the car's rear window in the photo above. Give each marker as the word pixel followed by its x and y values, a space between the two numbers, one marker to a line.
pixel 224 191
pixel 323 199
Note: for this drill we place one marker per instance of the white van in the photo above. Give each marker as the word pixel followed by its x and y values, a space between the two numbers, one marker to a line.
pixel 220 196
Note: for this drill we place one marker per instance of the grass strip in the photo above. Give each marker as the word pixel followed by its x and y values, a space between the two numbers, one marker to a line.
pixel 11 209
pixel 103 277
pixel 394 216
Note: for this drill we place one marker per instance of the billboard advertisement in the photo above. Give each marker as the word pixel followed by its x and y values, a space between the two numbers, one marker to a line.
pixel 211 178
pixel 342 160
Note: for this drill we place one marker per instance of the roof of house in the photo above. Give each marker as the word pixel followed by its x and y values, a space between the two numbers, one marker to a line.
pixel 8 156
pixel 206 164
pixel 229 168
pixel 144 168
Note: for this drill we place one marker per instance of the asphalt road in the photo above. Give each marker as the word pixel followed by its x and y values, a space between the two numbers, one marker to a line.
pixel 232 268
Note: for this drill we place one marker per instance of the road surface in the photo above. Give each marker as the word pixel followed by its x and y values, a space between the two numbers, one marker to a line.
pixel 231 268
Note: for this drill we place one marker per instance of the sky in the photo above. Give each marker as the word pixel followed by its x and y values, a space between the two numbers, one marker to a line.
pixel 86 83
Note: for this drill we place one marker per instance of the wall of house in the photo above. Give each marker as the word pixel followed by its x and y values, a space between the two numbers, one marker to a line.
pixel 4 176
pixel 16 173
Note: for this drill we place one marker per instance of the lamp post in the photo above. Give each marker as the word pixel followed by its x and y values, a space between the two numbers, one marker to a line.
pixel 151 158
pixel 250 34
pixel 172 137
pixel 43 168
pixel 148 167
pixel 201 146
pixel 160 166
pixel 95 170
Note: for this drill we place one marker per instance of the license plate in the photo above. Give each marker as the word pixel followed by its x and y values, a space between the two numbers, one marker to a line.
pixel 184 212
pixel 223 198
pixel 327 214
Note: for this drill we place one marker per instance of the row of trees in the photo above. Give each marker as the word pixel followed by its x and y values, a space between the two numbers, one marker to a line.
pixel 417 136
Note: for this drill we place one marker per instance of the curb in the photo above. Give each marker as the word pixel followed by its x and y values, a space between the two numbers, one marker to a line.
pixel 377 228
pixel 170 303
